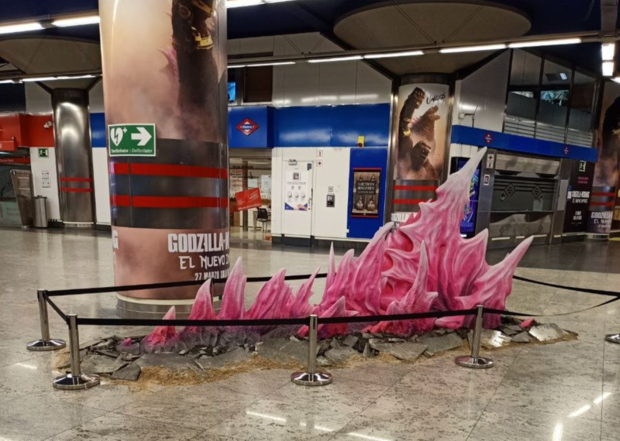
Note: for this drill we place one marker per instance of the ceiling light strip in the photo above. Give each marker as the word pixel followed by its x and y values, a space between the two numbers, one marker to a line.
pixel 542 43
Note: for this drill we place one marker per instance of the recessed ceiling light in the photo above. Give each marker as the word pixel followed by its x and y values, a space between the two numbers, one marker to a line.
pixel 23 27
pixel 76 21
pixel 488 47
pixel 557 42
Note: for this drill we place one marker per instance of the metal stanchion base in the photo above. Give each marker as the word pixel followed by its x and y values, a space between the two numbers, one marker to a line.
pixel 474 363
pixel 46 345
pixel 613 338
pixel 69 382
pixel 306 379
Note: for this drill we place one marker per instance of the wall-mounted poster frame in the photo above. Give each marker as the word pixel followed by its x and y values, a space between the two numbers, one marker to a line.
pixel 366 193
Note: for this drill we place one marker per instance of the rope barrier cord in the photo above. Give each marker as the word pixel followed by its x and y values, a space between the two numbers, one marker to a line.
pixel 298 321
pixel 57 309
pixel 106 289
pixel 270 322
pixel 569 288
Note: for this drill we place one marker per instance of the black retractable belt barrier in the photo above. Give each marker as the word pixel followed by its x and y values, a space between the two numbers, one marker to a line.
pixel 123 288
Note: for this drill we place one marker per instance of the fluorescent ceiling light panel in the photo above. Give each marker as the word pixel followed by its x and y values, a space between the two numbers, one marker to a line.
pixel 243 3
pixel 608 51
pixel 58 78
pixel 608 68
pixel 488 47
pixel 394 55
pixel 236 66
pixel 335 59
pixel 563 76
pixel 8 81
pixel 76 21
pixel 24 27
pixel 538 43
pixel 275 63
pixel 617 80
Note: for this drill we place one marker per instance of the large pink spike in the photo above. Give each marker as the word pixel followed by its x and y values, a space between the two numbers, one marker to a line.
pixel 338 309
pixel 233 301
pixel 364 295
pixel 201 310
pixel 269 299
pixel 458 271
pixel 163 338
pixel 415 301
pixel 299 305
pixel 491 289
pixel 335 288
pixel 331 269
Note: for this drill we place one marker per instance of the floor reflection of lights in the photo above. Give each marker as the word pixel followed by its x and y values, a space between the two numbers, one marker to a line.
pixel 269 417
pixel 368 437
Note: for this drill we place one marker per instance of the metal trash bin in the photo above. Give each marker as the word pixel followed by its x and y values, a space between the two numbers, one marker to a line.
pixel 40 212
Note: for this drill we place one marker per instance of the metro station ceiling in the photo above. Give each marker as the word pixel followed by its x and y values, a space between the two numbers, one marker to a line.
pixel 337 20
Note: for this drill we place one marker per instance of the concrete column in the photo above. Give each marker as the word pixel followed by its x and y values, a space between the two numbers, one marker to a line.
pixel 74 160
pixel 165 65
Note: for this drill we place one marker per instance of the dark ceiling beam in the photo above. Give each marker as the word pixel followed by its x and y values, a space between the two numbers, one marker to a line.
pixel 609 17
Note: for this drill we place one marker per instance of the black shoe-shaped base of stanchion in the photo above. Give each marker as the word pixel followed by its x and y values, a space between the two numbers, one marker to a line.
pixel 307 379
pixel 69 382
pixel 474 363
pixel 46 345
pixel 613 338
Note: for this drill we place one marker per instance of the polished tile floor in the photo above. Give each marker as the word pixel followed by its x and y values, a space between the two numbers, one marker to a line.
pixel 562 392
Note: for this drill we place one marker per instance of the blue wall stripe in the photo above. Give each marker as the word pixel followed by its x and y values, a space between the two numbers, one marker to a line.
pixel 504 141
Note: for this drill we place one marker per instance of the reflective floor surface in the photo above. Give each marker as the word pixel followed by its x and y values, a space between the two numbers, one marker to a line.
pixel 561 392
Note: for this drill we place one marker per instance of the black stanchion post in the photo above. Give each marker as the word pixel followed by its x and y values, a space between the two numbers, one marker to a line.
pixel 75 380
pixel 45 343
pixel 474 361
pixel 311 377
pixel 613 338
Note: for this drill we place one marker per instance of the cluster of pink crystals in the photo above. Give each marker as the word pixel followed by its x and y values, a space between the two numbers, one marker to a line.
pixel 423 265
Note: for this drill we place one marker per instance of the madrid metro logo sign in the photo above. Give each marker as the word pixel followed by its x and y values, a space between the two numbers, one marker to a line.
pixel 247 127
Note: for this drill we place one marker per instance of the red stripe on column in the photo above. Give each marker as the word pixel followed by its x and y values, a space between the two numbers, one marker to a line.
pixel 168 202
pixel 76 180
pixel 76 190
pixel 120 201
pixel 408 201
pixel 119 168
pixel 602 204
pixel 611 195
pixel 184 171
pixel 415 188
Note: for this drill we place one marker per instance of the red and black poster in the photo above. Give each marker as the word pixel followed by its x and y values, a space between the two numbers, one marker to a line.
pixel 366 193
pixel 578 196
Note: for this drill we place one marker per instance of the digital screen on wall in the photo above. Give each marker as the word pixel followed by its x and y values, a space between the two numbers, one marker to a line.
pixel 366 193
pixel 232 92
pixel 468 223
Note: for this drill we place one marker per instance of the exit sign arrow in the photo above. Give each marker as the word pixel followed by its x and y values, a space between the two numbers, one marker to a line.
pixel 132 140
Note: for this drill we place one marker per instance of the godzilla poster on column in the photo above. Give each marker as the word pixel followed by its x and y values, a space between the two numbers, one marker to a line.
pixel 421 127
pixel 165 63
pixel 607 171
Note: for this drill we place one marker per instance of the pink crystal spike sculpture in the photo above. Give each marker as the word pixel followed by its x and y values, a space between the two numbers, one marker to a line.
pixel 417 300
pixel 201 310
pixel 163 338
pixel 423 265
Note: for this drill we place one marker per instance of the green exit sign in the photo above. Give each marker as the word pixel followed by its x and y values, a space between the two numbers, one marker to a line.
pixel 44 153
pixel 132 139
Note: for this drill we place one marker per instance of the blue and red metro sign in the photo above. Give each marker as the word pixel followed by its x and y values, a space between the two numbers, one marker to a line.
pixel 247 127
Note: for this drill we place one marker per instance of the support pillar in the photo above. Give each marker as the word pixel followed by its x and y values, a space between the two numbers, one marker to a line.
pixel 74 157
pixel 165 80
pixel 420 148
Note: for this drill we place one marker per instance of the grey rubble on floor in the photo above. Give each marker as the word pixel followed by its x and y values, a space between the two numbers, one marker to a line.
pixel 106 356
